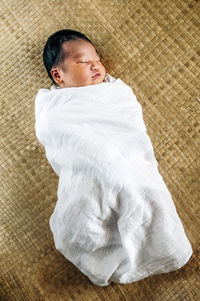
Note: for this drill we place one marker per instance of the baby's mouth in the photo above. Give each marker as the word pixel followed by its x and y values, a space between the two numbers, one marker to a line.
pixel 96 75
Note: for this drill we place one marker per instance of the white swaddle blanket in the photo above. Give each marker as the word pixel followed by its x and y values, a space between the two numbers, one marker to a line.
pixel 114 218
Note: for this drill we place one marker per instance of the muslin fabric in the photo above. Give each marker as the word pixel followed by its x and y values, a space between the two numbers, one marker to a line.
pixel 114 218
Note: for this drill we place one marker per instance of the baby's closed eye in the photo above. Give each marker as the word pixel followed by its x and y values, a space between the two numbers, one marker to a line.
pixel 86 61
pixel 89 61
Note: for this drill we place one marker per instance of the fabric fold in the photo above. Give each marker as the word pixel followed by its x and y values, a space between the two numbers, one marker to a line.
pixel 114 217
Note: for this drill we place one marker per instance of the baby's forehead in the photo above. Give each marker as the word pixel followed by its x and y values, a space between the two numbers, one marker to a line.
pixel 78 48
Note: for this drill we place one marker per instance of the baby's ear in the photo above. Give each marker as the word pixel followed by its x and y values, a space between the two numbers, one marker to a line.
pixel 55 73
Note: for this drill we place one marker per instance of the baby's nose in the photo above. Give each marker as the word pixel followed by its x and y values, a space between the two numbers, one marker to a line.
pixel 94 66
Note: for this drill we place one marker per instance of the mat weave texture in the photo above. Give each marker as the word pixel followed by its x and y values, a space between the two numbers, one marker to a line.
pixel 153 46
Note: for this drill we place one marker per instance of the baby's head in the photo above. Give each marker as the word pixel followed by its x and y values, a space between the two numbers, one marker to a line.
pixel 71 60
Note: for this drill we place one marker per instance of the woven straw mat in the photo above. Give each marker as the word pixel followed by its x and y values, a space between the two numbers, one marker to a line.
pixel 153 46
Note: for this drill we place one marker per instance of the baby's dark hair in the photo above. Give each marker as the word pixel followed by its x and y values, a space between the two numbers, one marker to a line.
pixel 53 54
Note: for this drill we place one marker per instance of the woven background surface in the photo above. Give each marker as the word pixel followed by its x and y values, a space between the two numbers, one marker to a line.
pixel 152 45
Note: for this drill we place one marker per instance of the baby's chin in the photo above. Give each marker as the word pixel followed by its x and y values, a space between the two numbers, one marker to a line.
pixel 91 81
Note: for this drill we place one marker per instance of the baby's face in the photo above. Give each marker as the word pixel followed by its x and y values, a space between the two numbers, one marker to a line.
pixel 80 65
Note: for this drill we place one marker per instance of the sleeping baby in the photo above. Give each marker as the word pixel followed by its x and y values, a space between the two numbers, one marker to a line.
pixel 114 218
pixel 79 64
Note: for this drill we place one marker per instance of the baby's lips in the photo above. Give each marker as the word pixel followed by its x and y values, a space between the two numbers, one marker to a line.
pixel 97 74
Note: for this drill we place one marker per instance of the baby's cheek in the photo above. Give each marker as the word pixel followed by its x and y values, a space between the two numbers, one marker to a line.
pixel 103 69
pixel 82 73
